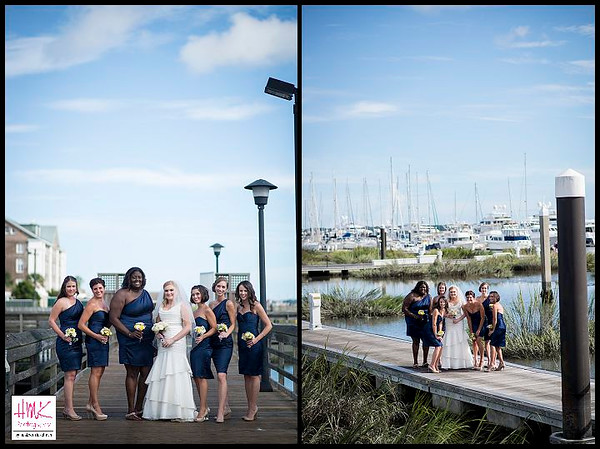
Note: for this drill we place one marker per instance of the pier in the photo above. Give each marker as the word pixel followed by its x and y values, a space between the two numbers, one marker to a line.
pixel 508 397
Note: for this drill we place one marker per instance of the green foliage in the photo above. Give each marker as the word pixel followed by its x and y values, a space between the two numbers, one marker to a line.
pixel 25 290
pixel 341 406
pixel 8 280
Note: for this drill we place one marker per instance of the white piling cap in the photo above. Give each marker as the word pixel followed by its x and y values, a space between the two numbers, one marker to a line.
pixel 569 184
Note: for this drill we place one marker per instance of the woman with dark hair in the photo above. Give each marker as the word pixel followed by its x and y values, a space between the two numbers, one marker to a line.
pixel 438 327
pixel 497 332
pixel 416 311
pixel 68 310
pixel 94 323
pixel 131 315
pixel 222 343
pixel 477 326
pixel 250 344
pixel 205 326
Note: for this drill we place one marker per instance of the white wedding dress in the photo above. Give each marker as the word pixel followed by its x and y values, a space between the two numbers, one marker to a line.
pixel 170 394
pixel 456 353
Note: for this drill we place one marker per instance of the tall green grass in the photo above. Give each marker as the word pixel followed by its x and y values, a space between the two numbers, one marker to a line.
pixel 341 406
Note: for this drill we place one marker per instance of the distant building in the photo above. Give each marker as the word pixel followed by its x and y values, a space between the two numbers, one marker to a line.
pixel 34 249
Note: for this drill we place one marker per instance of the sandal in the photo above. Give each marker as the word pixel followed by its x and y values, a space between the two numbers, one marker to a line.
pixel 415 365
pixel 132 417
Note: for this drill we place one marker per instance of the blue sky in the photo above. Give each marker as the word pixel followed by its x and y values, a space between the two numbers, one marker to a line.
pixel 466 96
pixel 134 130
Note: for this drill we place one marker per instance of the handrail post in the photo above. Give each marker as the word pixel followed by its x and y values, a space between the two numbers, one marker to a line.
pixel 315 311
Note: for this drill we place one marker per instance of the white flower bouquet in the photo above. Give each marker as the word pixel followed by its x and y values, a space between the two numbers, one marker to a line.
pixel 200 330
pixel 106 332
pixel 222 327
pixel 247 336
pixel 71 332
pixel 159 327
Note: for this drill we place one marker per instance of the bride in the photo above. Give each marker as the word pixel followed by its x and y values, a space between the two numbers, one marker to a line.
pixel 457 351
pixel 170 394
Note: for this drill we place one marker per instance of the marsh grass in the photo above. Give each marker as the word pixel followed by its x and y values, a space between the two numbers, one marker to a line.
pixel 340 406
pixel 352 303
pixel 533 329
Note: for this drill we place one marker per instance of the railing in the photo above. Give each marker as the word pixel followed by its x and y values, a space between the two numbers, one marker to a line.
pixel 282 347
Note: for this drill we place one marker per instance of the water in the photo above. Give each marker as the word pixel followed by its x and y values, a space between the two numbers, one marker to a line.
pixel 287 383
pixel 395 327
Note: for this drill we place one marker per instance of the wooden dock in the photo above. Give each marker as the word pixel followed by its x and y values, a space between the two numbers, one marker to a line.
pixel 277 420
pixel 508 396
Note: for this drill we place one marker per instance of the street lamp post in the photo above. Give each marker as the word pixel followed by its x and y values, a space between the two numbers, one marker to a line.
pixel 217 250
pixel 260 191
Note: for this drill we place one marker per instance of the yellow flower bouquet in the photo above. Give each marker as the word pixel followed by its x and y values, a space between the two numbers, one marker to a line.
pixel 139 326
pixel 421 312
pixel 221 327
pixel 106 332
pixel 440 333
pixel 247 336
pixel 71 332
pixel 200 330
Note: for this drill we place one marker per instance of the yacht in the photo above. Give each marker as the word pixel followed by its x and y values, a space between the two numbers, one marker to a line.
pixel 509 237
pixel 590 232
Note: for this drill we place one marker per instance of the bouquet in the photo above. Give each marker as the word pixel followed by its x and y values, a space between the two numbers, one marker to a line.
pixel 71 332
pixel 421 312
pixel 106 332
pixel 159 327
pixel 194 307
pixel 200 330
pixel 221 327
pixel 139 326
pixel 440 333
pixel 247 336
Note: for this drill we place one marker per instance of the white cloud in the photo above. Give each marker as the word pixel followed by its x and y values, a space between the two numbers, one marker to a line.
pixel 586 66
pixel 19 128
pixel 370 109
pixel 515 39
pixel 91 32
pixel 87 105
pixel 249 42
pixel 585 30
pixel 217 109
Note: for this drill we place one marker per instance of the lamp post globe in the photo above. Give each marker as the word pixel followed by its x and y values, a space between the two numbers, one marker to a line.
pixel 217 250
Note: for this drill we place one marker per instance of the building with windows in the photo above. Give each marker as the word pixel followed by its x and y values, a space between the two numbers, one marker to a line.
pixel 34 249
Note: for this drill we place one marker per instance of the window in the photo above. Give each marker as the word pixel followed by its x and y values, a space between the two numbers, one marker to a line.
pixel 20 265
pixel 20 248
pixel 9 230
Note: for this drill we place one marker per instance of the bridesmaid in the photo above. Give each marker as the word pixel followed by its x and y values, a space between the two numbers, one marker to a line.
pixel 415 308
pixel 91 323
pixel 132 304
pixel 222 344
pixel 497 332
pixel 251 347
pixel 489 318
pixel 441 291
pixel 68 310
pixel 202 352
pixel 438 327
pixel 477 326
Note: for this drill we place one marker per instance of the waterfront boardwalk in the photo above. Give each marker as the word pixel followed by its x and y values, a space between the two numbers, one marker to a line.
pixel 515 393
pixel 277 420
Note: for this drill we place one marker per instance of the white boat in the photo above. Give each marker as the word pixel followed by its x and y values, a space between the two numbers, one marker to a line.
pixel 495 221
pixel 507 238
pixel 552 234
pixel 590 232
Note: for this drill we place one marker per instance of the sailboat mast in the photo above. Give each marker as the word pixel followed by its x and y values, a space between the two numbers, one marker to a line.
pixel 525 181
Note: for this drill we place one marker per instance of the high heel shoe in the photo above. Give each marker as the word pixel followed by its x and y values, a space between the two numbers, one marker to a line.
pixel 203 418
pixel 97 416
pixel 247 418
pixel 74 417
pixel 500 367
pixel 227 414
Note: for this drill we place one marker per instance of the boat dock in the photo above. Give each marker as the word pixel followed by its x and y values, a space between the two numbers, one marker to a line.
pixel 507 397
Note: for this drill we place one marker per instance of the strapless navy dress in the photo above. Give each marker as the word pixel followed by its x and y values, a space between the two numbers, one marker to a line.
pixel 133 351
pixel 222 349
pixel 428 335
pixel 250 359
pixel 201 354
pixel 489 318
pixel 70 355
pixel 498 338
pixel 475 320
pixel 97 352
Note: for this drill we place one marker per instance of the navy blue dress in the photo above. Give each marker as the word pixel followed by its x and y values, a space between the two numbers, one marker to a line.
pixel 489 318
pixel 222 349
pixel 414 327
pixel 499 336
pixel 70 355
pixel 250 362
pixel 475 319
pixel 97 352
pixel 428 335
pixel 201 354
pixel 132 351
